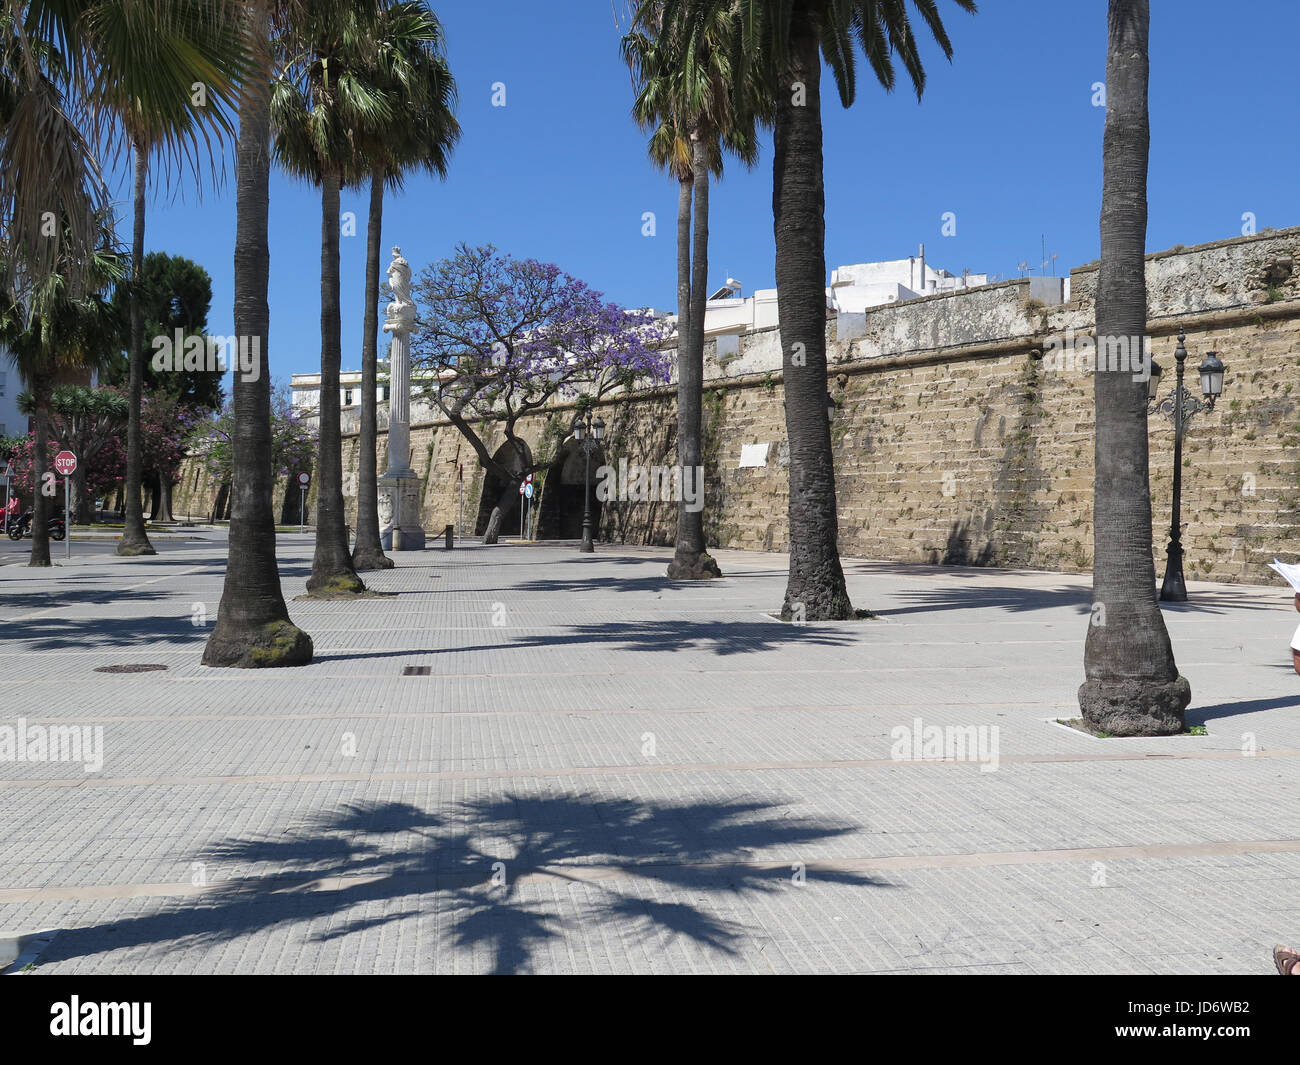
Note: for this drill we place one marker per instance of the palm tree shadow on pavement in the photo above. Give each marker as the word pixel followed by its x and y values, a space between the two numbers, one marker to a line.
pixel 505 875
pixel 720 637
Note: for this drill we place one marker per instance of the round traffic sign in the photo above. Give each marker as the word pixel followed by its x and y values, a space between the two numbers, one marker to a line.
pixel 528 491
pixel 522 486
pixel 65 462
pixel 304 479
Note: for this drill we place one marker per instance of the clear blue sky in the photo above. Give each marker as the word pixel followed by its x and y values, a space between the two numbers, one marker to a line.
pixel 1006 137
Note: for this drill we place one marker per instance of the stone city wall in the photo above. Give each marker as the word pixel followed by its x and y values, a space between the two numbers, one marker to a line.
pixel 955 441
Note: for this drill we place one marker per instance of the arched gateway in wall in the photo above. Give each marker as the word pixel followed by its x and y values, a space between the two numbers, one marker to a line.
pixel 560 517
pixel 493 487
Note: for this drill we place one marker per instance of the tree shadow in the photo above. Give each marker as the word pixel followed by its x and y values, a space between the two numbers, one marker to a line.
pixel 77 597
pixel 1019 600
pixel 962 548
pixel 657 583
pixel 370 864
pixel 719 637
pixel 1198 714
pixel 61 634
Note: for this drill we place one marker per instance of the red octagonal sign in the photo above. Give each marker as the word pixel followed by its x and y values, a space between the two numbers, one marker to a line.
pixel 65 462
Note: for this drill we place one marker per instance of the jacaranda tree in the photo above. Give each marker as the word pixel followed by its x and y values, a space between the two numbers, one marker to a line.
pixel 499 338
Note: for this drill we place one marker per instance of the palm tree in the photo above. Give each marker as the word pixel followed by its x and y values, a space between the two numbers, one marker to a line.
pixel 150 58
pixel 693 110
pixel 787 39
pixel 253 627
pixel 1133 687
pixel 49 329
pixel 317 104
pixel 411 69
pixel 46 160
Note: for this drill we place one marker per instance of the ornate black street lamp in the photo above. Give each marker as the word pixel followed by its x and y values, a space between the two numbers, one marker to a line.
pixel 589 435
pixel 1180 406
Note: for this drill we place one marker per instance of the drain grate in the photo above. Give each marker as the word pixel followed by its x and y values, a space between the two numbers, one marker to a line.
pixel 134 667
pixel 416 671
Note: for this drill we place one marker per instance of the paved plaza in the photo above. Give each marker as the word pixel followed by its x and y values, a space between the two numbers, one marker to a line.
pixel 604 771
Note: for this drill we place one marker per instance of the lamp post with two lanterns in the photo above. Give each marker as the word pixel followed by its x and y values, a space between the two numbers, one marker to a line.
pixel 1180 406
pixel 589 433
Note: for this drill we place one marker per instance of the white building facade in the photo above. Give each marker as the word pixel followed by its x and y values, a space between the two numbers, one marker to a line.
pixel 12 423
pixel 728 314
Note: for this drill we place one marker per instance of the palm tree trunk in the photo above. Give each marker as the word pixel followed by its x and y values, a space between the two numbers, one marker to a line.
pixel 163 511
pixel 253 626
pixel 1133 687
pixel 691 561
pixel 331 567
pixel 42 504
pixel 815 589
pixel 83 508
pixel 135 541
pixel 369 552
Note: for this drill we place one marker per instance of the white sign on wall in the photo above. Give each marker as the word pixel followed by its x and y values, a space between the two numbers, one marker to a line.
pixel 753 456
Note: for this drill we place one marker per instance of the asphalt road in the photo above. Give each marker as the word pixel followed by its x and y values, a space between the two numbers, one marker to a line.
pixel 16 552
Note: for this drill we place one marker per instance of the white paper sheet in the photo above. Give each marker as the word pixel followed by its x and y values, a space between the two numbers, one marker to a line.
pixel 1290 572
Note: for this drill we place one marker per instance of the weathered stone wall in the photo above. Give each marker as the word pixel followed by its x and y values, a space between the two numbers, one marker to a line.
pixel 955 442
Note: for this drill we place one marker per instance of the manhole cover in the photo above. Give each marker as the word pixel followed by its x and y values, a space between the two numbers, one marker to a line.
pixel 137 667
pixel 416 671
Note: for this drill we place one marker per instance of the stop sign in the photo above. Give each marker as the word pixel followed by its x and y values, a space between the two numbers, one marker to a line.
pixel 65 462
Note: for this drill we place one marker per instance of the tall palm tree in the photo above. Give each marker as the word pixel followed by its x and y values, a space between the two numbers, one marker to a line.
pixel 253 627
pixel 1133 687
pixel 411 69
pixel 692 110
pixel 50 328
pixel 787 40
pixel 47 161
pixel 150 57
pixel 317 105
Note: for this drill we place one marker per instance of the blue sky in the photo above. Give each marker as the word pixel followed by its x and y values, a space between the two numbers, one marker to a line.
pixel 1006 137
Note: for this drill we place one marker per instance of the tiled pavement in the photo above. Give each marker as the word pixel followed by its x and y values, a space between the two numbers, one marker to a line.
pixel 608 772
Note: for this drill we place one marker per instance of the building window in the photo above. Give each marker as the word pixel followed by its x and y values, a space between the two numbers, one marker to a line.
pixel 347 397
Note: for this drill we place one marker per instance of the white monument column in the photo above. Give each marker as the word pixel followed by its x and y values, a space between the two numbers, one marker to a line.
pixel 399 487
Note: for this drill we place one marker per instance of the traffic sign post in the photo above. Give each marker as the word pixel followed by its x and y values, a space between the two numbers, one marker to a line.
pixel 304 480
pixel 65 463
pixel 525 490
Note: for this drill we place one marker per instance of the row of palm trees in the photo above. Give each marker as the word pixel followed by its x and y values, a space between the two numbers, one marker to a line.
pixel 340 92
pixel 348 91
pixel 705 73
pixel 355 91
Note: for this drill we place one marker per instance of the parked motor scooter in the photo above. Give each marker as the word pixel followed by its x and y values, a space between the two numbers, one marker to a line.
pixel 21 526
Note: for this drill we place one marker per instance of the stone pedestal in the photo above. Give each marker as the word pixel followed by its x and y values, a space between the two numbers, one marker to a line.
pixel 399 512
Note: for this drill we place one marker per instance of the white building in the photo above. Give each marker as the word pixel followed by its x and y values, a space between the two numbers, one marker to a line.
pixel 853 289
pixel 305 390
pixel 12 423
pixel 728 314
